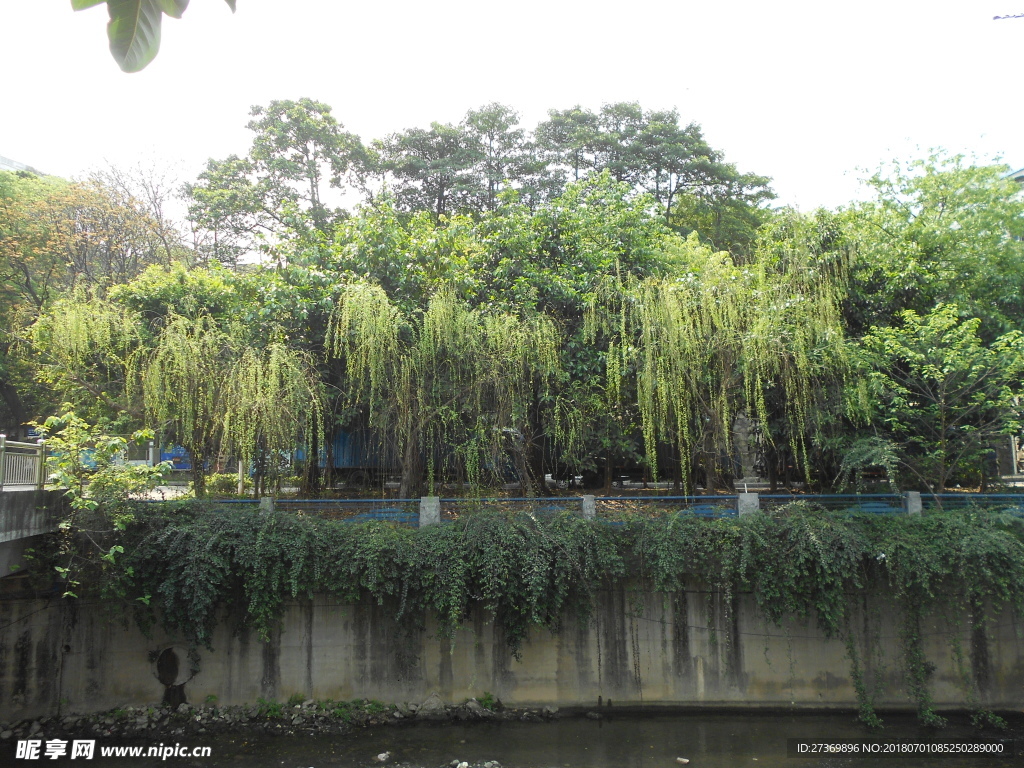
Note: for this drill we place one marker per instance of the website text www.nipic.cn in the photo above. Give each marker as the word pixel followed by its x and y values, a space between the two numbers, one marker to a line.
pixel 85 749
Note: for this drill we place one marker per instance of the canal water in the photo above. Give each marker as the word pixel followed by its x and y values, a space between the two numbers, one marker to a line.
pixel 616 741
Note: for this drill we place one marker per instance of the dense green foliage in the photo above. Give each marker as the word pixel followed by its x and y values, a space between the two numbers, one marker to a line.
pixel 599 296
pixel 941 393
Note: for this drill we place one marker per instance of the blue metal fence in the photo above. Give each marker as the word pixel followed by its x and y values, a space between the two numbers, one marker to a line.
pixel 1012 503
pixel 616 510
pixel 453 509
pixel 402 511
pixel 873 503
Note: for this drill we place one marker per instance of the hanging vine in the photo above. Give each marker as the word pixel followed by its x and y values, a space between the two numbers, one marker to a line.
pixel 87 345
pixel 184 563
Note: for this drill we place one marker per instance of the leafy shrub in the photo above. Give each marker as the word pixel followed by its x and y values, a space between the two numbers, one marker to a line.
pixel 272 710
pixel 226 484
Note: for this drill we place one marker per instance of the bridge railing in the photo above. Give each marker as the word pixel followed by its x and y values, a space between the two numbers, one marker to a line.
pixel 22 464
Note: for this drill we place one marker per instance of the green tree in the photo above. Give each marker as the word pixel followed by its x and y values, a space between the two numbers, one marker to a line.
pixel 433 169
pixel 651 152
pixel 567 138
pixel 554 260
pixel 939 230
pixel 711 339
pixel 506 158
pixel 280 190
pixel 448 383
pixel 940 395
pixel 90 466
pixel 58 237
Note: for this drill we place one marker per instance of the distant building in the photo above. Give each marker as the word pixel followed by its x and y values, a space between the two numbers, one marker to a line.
pixel 1017 176
pixel 6 164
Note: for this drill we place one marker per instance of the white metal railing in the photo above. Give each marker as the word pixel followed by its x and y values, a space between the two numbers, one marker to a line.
pixel 22 464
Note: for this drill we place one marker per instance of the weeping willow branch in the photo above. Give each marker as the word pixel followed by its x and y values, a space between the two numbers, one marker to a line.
pixel 183 385
pixel 274 401
pixel 713 340
pixel 451 382
pixel 88 344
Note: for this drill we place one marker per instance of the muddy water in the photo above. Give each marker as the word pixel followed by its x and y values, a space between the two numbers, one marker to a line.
pixel 618 741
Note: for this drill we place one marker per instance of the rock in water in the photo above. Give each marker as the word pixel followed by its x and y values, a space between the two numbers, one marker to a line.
pixel 432 708
pixel 682 760
pixel 477 710
pixel 383 757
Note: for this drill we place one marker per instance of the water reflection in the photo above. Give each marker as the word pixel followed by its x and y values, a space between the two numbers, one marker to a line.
pixel 618 741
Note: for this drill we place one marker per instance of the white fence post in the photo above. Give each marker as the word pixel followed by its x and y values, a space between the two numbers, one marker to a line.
pixel 3 459
pixel 430 511
pixel 913 503
pixel 748 503
pixel 41 466
pixel 589 507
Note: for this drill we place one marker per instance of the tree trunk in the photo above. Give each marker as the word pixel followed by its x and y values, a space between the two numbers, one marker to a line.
pixel 312 479
pixel 198 476
pixel 771 461
pixel 533 446
pixel 15 405
pixel 412 468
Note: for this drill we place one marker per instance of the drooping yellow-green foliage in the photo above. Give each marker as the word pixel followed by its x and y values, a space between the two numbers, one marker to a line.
pixel 183 384
pixel 273 402
pixel 207 392
pixel 451 383
pixel 364 332
pixel 711 340
pixel 88 351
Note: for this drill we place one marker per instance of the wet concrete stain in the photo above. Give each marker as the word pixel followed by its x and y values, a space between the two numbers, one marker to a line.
pixel 682 658
pixel 981 664
pixel 239 661
pixel 93 678
pixel 271 658
pixel 735 673
pixel 600 657
pixel 502 677
pixel 360 644
pixel 22 660
pixel 45 666
pixel 616 674
pixel 307 641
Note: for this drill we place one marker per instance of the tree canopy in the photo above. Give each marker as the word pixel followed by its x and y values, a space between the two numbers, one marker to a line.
pixel 601 294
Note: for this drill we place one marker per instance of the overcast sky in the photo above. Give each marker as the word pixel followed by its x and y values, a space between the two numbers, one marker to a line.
pixel 804 91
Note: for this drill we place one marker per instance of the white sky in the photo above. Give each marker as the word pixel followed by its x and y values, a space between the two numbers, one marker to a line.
pixel 804 91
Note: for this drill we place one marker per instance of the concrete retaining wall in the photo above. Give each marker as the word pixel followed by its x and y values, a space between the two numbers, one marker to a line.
pixel 83 658
pixel 24 515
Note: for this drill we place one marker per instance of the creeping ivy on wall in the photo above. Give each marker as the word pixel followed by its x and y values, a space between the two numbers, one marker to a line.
pixel 191 565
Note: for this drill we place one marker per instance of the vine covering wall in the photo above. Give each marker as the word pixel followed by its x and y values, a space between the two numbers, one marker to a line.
pixel 184 564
